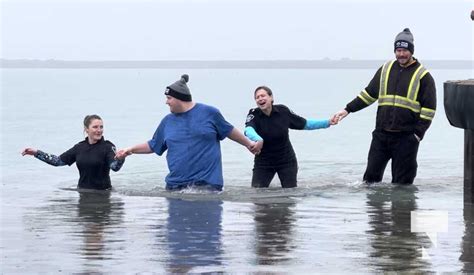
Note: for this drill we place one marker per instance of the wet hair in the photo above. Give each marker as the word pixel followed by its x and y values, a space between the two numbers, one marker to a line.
pixel 265 88
pixel 89 118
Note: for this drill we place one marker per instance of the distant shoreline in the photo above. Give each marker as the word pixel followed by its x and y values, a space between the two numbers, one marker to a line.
pixel 222 64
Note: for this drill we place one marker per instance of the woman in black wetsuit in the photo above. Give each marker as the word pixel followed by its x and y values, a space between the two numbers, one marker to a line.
pixel 94 156
pixel 268 125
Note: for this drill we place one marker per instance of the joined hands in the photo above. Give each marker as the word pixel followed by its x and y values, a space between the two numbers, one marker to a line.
pixel 337 117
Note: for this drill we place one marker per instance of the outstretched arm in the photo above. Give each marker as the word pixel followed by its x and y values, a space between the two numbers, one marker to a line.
pixel 238 137
pixel 339 116
pixel 313 124
pixel 48 158
pixel 142 148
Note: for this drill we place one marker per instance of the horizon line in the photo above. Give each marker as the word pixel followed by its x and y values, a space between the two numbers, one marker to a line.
pixel 326 63
pixel 206 60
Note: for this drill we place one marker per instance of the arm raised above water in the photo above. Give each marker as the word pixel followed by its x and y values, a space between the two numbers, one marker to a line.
pixel 45 157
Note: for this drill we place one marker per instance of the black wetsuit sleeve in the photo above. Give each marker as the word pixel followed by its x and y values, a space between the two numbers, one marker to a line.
pixel 114 164
pixel 69 157
pixel 251 119
pixel 296 122
pixel 49 158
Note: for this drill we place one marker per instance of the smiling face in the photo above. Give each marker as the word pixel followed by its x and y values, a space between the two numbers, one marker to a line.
pixel 264 100
pixel 94 130
pixel 403 56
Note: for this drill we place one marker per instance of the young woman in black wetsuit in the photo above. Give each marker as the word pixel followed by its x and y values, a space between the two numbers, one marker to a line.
pixel 93 156
pixel 268 125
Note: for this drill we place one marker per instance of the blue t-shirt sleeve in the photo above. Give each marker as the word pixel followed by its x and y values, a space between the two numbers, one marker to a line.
pixel 223 127
pixel 157 143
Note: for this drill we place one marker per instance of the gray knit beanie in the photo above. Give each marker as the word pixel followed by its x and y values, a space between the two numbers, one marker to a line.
pixel 179 89
pixel 405 40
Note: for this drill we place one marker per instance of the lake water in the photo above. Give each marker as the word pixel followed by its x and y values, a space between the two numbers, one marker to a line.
pixel 330 223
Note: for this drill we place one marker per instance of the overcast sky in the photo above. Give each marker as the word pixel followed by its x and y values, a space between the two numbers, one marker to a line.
pixel 233 29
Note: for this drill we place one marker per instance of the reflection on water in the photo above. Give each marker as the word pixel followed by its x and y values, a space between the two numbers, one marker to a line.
pixel 467 251
pixel 95 214
pixel 82 229
pixel 99 216
pixel 274 224
pixel 366 229
pixel 193 234
pixel 395 247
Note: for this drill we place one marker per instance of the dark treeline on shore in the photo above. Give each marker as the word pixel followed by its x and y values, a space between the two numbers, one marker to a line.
pixel 224 64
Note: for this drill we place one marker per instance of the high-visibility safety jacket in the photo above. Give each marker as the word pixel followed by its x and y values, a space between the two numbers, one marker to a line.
pixel 406 98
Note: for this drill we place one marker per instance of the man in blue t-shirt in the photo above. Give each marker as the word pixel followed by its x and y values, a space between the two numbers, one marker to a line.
pixel 191 134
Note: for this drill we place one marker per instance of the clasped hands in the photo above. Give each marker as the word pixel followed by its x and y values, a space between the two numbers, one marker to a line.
pixel 337 117
pixel 255 147
pixel 123 153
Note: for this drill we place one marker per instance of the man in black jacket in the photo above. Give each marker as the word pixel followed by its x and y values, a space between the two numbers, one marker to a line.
pixel 406 96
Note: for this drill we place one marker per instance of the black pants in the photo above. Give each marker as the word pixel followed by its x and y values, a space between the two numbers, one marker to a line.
pixel 401 147
pixel 263 175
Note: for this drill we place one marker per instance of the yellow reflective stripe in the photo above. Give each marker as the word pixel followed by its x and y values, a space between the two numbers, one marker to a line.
pixel 414 82
pixel 427 113
pixel 399 105
pixel 426 117
pixel 384 77
pixel 428 110
pixel 399 101
pixel 364 95
pixel 363 99
pixel 423 74
pixel 418 88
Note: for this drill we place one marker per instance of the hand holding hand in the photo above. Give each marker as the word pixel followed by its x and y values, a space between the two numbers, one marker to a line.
pixel 257 148
pixel 29 151
pixel 123 153
pixel 251 147
pixel 339 116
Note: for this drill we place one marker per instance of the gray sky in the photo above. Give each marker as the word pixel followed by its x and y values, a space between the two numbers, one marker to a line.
pixel 233 29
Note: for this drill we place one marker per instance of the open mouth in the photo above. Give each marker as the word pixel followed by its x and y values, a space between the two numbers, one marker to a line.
pixel 261 103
